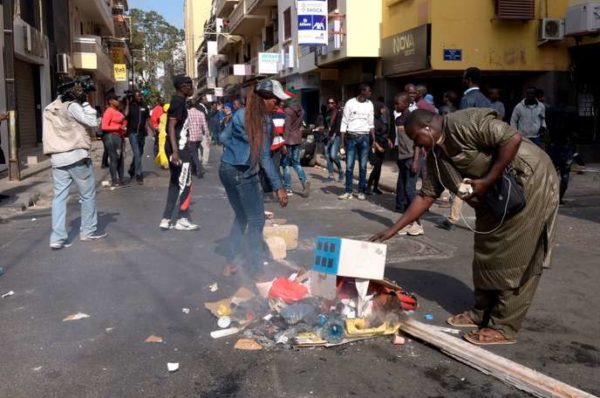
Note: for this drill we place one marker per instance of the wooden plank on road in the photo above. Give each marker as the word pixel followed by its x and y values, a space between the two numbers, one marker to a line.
pixel 508 371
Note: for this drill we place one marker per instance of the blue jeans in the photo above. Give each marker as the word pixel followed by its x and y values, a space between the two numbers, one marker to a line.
pixel 82 174
pixel 406 185
pixel 332 150
pixel 357 147
pixel 246 200
pixel 137 142
pixel 292 159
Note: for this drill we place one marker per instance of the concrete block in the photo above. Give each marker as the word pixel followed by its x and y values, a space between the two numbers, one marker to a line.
pixel 288 232
pixel 277 247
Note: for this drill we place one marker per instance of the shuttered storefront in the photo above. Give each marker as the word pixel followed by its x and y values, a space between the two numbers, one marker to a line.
pixel 26 107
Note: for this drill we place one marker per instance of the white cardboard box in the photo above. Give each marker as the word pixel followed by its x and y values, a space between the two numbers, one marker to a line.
pixel 351 258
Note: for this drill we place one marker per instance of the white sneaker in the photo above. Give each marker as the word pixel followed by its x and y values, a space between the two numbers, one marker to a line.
pixel 183 224
pixel 289 193
pixel 416 229
pixel 404 231
pixel 165 224
pixel 345 196
pixel 361 196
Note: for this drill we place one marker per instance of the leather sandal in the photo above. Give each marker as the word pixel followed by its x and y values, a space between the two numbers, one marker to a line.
pixel 487 336
pixel 461 321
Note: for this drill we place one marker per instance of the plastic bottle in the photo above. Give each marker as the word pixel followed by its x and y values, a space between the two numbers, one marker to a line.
pixel 333 330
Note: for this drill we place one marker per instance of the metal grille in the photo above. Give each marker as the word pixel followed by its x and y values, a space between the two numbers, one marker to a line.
pixel 515 9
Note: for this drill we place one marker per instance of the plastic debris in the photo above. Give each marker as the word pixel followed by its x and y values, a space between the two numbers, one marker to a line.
pixel 154 339
pixel 217 334
pixel 298 312
pixel 428 317
pixel 224 322
pixel 333 331
pixel 287 290
pixel 185 310
pixel 34 219
pixel 8 294
pixel 76 317
pixel 399 340
pixel 173 366
pixel 105 184
pixel 214 287
pixel 247 344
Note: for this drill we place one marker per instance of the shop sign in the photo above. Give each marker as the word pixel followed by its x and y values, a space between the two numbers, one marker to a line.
pixel 312 22
pixel 120 72
pixel 268 63
pixel 452 54
pixel 406 52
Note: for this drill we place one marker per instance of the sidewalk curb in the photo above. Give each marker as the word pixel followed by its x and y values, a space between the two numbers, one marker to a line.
pixel 384 186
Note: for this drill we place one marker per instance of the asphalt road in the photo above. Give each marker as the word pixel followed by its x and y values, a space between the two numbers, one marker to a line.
pixel 136 282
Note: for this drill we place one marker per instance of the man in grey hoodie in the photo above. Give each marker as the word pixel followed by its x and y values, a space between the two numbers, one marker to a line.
pixel 294 118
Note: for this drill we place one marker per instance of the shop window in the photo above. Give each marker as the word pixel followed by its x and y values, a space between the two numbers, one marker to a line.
pixel 515 9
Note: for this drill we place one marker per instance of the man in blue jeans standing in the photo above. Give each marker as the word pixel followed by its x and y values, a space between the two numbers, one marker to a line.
pixel 138 124
pixel 358 131
pixel 67 125
pixel 294 117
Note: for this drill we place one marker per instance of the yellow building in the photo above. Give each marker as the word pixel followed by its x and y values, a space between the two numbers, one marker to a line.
pixel 196 13
pixel 515 43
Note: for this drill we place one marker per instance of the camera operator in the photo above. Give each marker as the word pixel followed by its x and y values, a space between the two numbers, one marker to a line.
pixel 68 123
pixel 138 126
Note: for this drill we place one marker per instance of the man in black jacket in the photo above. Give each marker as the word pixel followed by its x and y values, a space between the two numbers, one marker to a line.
pixel 138 126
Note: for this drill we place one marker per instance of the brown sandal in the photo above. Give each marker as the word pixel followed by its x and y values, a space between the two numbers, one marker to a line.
pixel 461 321
pixel 487 336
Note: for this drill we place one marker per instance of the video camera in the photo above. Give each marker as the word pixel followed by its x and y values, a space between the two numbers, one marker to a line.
pixel 77 89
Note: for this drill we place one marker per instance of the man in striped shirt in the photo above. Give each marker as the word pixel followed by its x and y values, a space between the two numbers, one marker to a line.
pixel 199 132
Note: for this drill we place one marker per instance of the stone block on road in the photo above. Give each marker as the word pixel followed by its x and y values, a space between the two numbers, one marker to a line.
pixel 289 233
pixel 277 247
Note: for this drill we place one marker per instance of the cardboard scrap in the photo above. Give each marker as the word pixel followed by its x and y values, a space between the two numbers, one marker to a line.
pixel 154 339
pixel 241 296
pixel 219 308
pixel 247 344
pixel 76 317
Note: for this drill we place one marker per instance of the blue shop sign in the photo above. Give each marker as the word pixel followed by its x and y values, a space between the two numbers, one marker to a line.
pixel 452 54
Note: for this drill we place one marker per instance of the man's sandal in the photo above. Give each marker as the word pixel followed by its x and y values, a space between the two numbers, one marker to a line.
pixel 487 336
pixel 461 321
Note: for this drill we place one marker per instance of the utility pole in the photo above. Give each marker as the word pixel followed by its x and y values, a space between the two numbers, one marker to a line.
pixel 14 165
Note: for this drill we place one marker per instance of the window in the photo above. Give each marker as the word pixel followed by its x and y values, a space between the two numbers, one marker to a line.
pixel 333 5
pixel 287 24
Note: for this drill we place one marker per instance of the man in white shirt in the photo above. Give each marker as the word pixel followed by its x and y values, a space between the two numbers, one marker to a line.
pixel 358 127
pixel 68 122
pixel 529 117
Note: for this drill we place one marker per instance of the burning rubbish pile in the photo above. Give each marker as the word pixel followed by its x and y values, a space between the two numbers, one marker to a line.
pixel 344 298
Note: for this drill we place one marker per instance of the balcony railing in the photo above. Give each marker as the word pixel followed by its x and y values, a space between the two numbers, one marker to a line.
pixel 237 15
pixel 122 26
pixel 98 11
pixel 88 54
pixel 224 7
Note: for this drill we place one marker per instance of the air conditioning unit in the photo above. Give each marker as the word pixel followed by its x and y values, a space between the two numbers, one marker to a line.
pixel 63 63
pixel 583 19
pixel 551 29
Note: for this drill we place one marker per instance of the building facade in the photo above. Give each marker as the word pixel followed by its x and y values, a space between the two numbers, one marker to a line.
pixel 196 13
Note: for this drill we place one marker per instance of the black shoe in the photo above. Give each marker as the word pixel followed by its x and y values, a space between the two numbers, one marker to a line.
pixel 139 180
pixel 377 191
pixel 447 225
pixel 369 192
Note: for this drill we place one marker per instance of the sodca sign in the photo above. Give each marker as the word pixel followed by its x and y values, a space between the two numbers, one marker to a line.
pixel 312 22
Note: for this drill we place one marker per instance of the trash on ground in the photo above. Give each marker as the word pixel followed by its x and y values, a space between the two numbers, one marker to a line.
pixel 224 322
pixel 269 215
pixel 154 339
pixel 185 310
pixel 316 308
pixel 34 219
pixel 214 287
pixel 399 340
pixel 173 366
pixel 8 294
pixel 76 317
pixel 217 334
pixel 247 344
pixel 428 317
pixel 105 184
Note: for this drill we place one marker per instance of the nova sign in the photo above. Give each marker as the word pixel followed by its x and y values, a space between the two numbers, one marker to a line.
pixel 407 51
